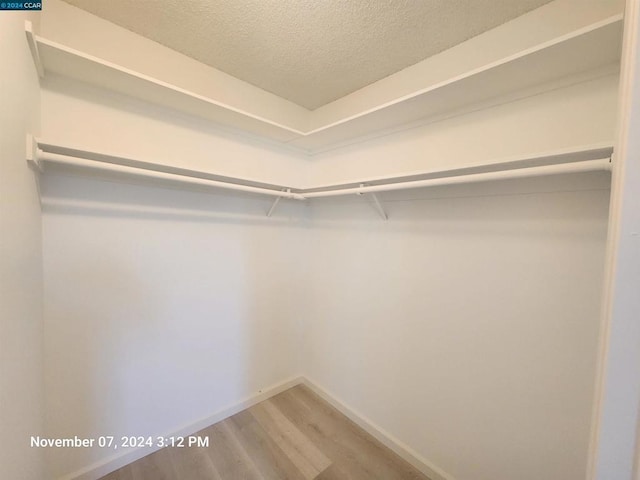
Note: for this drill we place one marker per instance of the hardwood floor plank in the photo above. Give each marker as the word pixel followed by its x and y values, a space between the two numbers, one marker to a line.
pixel 335 472
pixel 229 457
pixel 300 450
pixel 119 474
pixel 267 455
pixel 112 476
pixel 156 466
pixel 350 447
pixel 373 452
pixel 124 473
pixel 193 463
pixel 347 461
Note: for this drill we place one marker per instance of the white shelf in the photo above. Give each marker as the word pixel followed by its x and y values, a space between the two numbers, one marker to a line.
pixel 575 55
pixel 57 58
pixel 587 50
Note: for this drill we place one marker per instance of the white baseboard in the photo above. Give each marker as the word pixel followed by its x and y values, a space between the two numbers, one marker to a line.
pixel 104 467
pixel 388 440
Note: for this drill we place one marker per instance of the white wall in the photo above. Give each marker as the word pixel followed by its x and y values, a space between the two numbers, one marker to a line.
pixel 162 306
pixel 21 392
pixel 466 326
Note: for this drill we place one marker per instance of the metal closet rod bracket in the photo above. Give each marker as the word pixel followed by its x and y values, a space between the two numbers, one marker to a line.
pixel 276 201
pixel 376 203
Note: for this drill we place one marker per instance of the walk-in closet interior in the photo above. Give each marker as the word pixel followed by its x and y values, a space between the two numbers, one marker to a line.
pixel 418 217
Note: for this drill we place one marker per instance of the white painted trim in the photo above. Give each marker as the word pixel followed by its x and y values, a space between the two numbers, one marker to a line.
pixel 32 153
pixel 614 449
pixel 401 449
pixel 104 467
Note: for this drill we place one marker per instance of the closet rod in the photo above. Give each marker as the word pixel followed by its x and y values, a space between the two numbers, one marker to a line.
pixel 36 155
pixel 573 167
pixel 43 156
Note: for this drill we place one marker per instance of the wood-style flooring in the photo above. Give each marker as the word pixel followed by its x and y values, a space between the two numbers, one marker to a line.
pixel 293 436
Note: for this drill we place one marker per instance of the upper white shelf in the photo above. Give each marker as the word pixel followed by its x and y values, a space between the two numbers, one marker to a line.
pixel 586 50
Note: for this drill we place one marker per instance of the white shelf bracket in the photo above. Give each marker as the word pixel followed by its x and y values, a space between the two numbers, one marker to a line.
pixel 33 46
pixel 275 203
pixel 376 204
pixel 32 153
pixel 379 208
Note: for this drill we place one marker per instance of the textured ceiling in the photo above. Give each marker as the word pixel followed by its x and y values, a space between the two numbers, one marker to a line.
pixel 309 51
